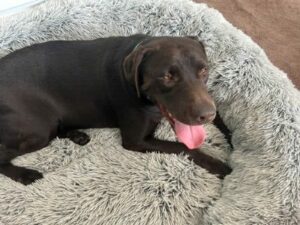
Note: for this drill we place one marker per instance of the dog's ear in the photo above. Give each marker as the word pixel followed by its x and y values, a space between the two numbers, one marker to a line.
pixel 131 65
pixel 195 38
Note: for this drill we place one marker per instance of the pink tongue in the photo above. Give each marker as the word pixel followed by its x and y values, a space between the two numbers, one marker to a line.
pixel 191 136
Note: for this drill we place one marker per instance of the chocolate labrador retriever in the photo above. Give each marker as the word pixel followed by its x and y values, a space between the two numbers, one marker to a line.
pixel 52 89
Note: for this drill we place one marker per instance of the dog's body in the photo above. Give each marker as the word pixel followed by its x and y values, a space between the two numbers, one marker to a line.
pixel 54 88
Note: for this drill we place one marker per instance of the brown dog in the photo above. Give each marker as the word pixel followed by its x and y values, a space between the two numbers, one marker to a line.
pixel 54 88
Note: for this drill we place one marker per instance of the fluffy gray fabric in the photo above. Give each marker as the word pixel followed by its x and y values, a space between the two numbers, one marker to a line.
pixel 101 183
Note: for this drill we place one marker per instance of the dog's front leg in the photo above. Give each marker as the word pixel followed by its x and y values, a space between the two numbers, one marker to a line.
pixel 137 135
pixel 207 162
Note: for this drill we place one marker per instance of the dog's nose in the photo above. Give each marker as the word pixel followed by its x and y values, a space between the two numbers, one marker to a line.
pixel 201 115
pixel 206 117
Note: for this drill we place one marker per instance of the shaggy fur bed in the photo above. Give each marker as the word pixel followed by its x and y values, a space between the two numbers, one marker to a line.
pixel 101 183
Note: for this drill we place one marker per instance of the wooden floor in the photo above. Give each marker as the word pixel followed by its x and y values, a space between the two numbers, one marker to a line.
pixel 274 25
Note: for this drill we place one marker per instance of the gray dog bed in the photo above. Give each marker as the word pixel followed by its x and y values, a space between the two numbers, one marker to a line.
pixel 101 183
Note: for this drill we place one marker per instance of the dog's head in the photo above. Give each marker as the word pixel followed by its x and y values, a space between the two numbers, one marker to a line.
pixel 172 72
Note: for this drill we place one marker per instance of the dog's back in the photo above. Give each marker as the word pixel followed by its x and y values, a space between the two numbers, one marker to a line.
pixel 68 78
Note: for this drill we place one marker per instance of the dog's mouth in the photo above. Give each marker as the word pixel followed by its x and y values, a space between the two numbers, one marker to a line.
pixel 192 136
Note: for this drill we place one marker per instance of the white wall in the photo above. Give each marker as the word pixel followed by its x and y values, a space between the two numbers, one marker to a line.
pixel 9 7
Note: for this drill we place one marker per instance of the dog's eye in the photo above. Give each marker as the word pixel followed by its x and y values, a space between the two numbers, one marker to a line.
pixel 167 77
pixel 203 73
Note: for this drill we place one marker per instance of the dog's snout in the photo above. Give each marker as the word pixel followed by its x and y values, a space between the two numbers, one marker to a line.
pixel 206 117
pixel 201 115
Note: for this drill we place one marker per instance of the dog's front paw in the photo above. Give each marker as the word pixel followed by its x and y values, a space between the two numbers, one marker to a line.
pixel 222 170
pixel 209 163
